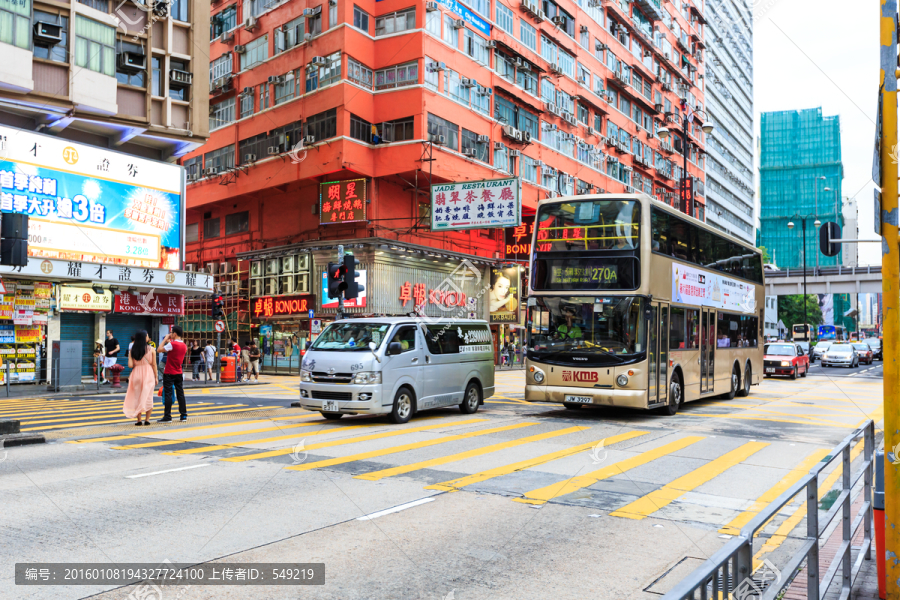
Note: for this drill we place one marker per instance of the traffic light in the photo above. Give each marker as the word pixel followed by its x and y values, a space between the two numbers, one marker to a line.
pixel 335 280
pixel 351 286
pixel 14 240
pixel 828 231
pixel 217 311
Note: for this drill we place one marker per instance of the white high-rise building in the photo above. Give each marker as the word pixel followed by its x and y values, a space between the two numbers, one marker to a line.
pixel 731 204
pixel 850 252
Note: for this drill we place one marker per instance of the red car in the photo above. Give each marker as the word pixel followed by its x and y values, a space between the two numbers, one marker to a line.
pixel 785 358
pixel 864 352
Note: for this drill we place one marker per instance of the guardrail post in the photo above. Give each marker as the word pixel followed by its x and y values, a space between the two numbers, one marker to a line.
pixel 742 566
pixel 846 564
pixel 869 456
pixel 812 532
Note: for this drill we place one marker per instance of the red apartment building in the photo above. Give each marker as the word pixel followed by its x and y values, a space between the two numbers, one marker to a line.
pixel 565 95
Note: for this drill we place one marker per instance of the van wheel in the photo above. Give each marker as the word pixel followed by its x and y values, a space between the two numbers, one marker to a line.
pixel 332 416
pixel 735 383
pixel 403 405
pixel 676 396
pixel 471 400
pixel 745 390
pixel 572 405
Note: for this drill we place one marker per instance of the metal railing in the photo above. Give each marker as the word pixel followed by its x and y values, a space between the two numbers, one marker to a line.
pixel 731 570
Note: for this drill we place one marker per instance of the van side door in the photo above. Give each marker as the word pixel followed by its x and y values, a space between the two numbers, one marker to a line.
pixel 406 367
pixel 442 368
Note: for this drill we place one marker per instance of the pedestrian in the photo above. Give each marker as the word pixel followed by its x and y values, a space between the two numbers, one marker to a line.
pixel 111 353
pixel 209 353
pixel 196 359
pixel 173 350
pixel 98 359
pixel 253 368
pixel 245 362
pixel 142 381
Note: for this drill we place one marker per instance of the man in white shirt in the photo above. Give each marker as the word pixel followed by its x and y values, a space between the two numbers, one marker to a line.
pixel 209 355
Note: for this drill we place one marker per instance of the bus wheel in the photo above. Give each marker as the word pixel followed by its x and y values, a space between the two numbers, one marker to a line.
pixel 675 397
pixel 572 405
pixel 745 390
pixel 471 400
pixel 735 383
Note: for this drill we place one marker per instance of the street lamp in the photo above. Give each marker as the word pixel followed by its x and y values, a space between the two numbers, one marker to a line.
pixel 816 224
pixel 665 132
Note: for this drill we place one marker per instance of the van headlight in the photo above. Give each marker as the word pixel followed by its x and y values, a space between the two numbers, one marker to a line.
pixel 622 380
pixel 306 376
pixel 366 377
pixel 538 377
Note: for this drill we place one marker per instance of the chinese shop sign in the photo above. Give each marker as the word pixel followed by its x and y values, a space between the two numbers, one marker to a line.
pixel 518 239
pixel 79 298
pixel 283 306
pixel 419 295
pixel 476 204
pixel 150 303
pixel 342 201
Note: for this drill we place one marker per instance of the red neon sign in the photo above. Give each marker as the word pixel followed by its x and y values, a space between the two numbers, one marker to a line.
pixel 279 306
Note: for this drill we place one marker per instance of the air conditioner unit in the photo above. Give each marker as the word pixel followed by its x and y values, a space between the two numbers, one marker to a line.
pixel 458 23
pixel 583 29
pixel 212 268
pixel 129 62
pixel 550 107
pixel 47 34
pixel 192 177
pixel 528 7
pixel 554 68
pixel 225 268
pixel 179 78
pixel 318 61
pixel 431 6
pixel 513 153
pixel 247 91
pixel 483 139
pixel 467 83
pixel 509 131
pixel 539 15
pixel 211 171
pixel 526 136
pixel 558 21
pixel 491 44
pixel 257 287
pixel 287 284
pixel 436 66
pixel 658 107
pixel 271 286
pixel 309 140
pixel 250 23
pixel 552 194
pixel 288 264
pixel 273 150
pixel 518 135
pixel 470 152
pixel 594 4
pixel 272 266
pixel 583 80
pixel 591 131
pixel 436 139
pixel 249 158
pixel 226 37
pixel 256 268
pixel 240 48
pixel 274 79
pixel 191 267
pixel 309 12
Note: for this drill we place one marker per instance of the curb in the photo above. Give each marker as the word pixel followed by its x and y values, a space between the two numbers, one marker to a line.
pixel 21 439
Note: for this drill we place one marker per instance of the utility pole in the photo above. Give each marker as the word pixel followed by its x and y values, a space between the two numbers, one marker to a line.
pixel 890 270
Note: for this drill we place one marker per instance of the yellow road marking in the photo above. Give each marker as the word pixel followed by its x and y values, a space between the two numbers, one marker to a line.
pixel 126 420
pixel 567 486
pixel 363 438
pixel 85 410
pixel 425 464
pixel 455 484
pixel 734 527
pixel 772 420
pixel 413 446
pixel 201 410
pixel 293 436
pixel 657 499
pixel 810 417
pixel 214 435
pixel 180 430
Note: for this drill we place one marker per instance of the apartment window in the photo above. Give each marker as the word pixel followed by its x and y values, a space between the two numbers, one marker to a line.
pixel 221 114
pixel 550 178
pixel 528 169
pixel 223 158
pixel 584 76
pixel 179 9
pixel 263 96
pixel 246 105
pixel 192 167
pixel 361 19
pixel 126 78
pixel 211 228
pixel 450 131
pixel 321 76
pixel 584 38
pixel 432 75
pixel 359 73
pixel 482 7
pixel 237 223
pixel 528 35
pixel 549 50
pixel 58 52
pixel 396 22
pixel 527 80
pixel 567 63
pixel 504 66
pixel 598 122
pixel 398 76
pixel 255 52
pixel 433 22
pixel 312 78
pixel 192 233
pixel 451 33
pixel 226 20
pixel 95 46
pixel 548 90
pixel 481 100
pixel 504 18
pixel 178 93
pixel 289 35
pixel 332 14
pixel 314 23
pixel 470 142
pixel 501 159
pixel 221 67
pixel 476 47
pixel 453 87
pixel 565 21
pixel 15 23
pixel 624 106
pixel 284 90
pixel 584 115
pixel 156 64
pixel 360 129
pixel 399 130
pixel 323 125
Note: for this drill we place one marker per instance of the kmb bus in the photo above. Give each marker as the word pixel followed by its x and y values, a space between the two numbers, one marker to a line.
pixel 632 303
pixel 802 333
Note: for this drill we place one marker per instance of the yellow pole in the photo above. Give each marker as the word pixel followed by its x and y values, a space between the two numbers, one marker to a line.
pixel 890 275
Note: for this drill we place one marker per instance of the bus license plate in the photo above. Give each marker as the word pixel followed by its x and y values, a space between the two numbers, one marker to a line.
pixel 330 406
pixel 770 370
pixel 580 399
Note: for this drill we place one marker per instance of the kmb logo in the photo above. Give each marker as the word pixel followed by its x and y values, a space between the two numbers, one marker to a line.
pixel 582 376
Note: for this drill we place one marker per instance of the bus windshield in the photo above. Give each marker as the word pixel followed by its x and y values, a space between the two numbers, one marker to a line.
pixel 589 225
pixel 608 329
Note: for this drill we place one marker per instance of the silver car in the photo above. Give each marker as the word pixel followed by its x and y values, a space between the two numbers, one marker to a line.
pixel 397 366
pixel 819 350
pixel 839 355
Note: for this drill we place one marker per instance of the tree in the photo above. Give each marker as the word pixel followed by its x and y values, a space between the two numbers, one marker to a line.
pixel 766 258
pixel 790 310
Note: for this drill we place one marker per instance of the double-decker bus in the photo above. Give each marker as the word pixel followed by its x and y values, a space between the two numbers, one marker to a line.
pixel 802 333
pixel 632 303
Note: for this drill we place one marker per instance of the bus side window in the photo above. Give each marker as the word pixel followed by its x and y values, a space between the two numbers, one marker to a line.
pixel 692 320
pixel 676 328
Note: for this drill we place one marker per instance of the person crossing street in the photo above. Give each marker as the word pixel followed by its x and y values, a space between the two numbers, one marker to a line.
pixel 173 379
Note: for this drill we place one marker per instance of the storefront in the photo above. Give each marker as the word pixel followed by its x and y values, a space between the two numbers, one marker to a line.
pixel 24 315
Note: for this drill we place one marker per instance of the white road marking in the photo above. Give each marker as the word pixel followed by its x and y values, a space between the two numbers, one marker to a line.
pixel 167 471
pixel 388 511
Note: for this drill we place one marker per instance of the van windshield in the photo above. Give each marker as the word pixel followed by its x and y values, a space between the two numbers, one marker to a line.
pixel 350 337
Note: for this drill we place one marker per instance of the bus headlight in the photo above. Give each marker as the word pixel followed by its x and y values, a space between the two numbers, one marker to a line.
pixel 622 380
pixel 538 377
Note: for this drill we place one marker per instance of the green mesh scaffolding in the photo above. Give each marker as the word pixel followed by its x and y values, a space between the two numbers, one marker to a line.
pixel 797 148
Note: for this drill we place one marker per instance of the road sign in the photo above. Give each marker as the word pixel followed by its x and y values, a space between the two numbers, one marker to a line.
pixel 316 326
pixel 220 326
pixel 312 313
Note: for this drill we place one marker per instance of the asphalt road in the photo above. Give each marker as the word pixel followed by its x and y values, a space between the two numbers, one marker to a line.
pixel 517 501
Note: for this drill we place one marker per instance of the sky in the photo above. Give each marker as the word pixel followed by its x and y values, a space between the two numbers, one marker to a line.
pixel 809 54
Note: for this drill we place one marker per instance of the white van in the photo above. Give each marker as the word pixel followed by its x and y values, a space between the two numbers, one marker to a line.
pixel 397 366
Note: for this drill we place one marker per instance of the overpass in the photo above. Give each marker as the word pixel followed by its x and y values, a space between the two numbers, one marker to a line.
pixel 830 280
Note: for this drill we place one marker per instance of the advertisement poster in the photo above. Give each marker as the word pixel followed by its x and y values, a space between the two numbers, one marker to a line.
pixel 92 204
pixel 359 301
pixel 28 335
pixel 503 296
pixel 476 204
pixel 693 286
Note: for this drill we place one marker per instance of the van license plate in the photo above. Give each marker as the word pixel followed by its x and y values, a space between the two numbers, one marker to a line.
pixel 580 399
pixel 770 370
pixel 330 406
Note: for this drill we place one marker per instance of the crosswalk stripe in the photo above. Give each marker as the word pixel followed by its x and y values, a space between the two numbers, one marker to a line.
pixel 413 446
pixel 567 486
pixel 126 420
pixel 657 499
pixel 734 527
pixel 364 438
pixel 214 435
pixel 425 464
pixel 160 430
pixel 455 484
pixel 280 438
pixel 82 411
pixel 770 419
pixel 201 410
